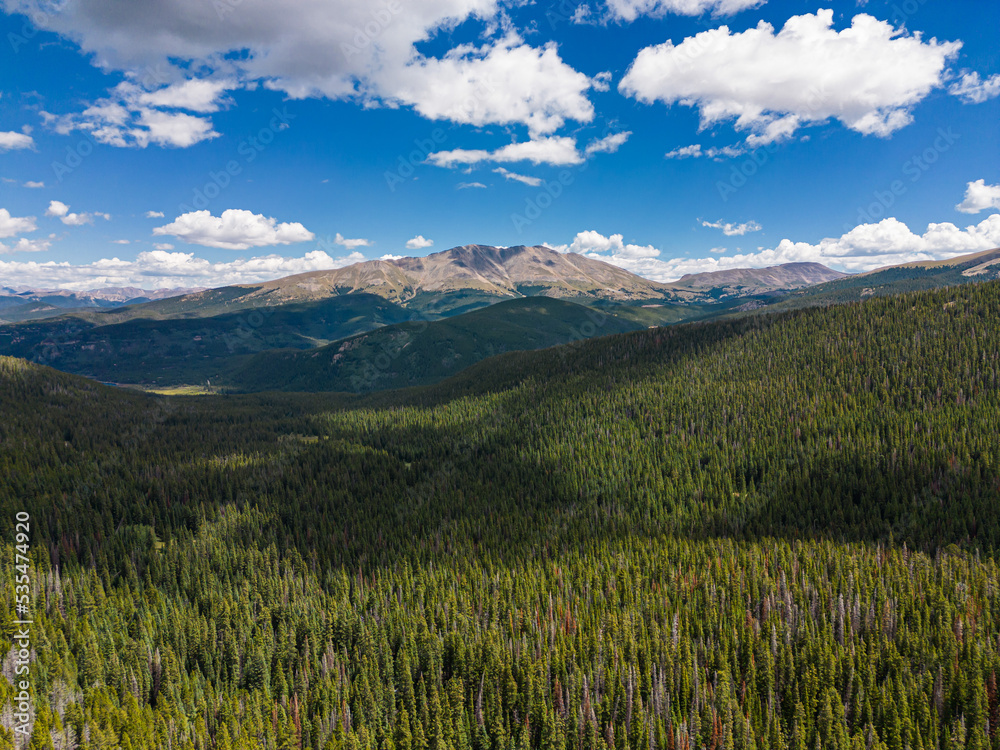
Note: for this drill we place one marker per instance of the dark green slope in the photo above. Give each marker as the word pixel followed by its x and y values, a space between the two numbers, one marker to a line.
pixel 895 280
pixel 185 351
pixel 424 352
pixel 772 532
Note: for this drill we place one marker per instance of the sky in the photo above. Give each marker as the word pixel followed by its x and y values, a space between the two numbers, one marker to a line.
pixel 198 143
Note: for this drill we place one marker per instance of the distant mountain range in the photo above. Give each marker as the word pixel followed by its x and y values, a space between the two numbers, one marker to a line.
pixel 25 303
pixel 759 280
pixel 466 278
pixel 417 320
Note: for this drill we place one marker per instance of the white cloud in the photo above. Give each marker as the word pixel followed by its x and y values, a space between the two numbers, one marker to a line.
pixel 339 49
pixel 127 119
pixel 57 208
pixel 349 243
pixel 629 10
pixel 390 256
pixel 154 214
pixel 25 246
pixel 60 210
pixel 11 225
pixel 864 248
pixel 33 184
pixel 868 76
pixel 971 90
pixel 467 185
pixel 684 152
pixel 12 140
pixel 193 95
pixel 602 81
pixel 527 180
pixel 160 269
pixel 979 197
pixel 557 151
pixel 163 246
pixel 235 229
pixel 419 243
pixel 506 83
pixel 733 230
pixel 121 242
pixel 171 129
pixel 696 151
pixel 609 144
pixel 593 244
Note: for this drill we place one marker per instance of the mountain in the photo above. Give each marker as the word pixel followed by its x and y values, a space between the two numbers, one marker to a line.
pixel 747 281
pixel 417 353
pixel 460 280
pixel 23 303
pixel 908 277
pixel 440 284
pixel 767 532
pixel 519 271
pixel 207 335
pixel 186 351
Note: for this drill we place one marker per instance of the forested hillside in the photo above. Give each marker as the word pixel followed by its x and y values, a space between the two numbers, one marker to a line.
pixel 771 532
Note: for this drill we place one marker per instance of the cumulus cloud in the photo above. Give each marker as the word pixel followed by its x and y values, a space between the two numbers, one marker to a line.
pixel 59 210
pixel 979 197
pixel 595 244
pixel 609 144
pixel 34 184
pixel 11 140
pixel 419 243
pixel 163 246
pixel 868 76
pixel 161 269
pixel 733 230
pixel 25 246
pixel 154 214
pixel 629 10
pixel 350 244
pixel 468 185
pixel 684 152
pixel 522 178
pixel 235 229
pixel 971 90
pixel 557 151
pixel 505 83
pixel 194 95
pixel 339 49
pixel 864 248
pixel 127 118
pixel 11 225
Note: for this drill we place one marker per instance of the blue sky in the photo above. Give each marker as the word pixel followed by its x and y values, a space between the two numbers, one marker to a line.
pixel 666 136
